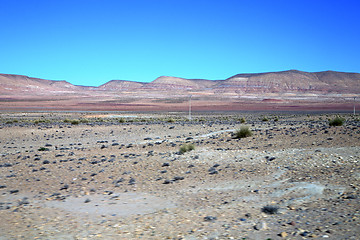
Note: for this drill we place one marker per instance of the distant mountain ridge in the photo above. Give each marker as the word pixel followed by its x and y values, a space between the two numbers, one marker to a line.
pixel 268 82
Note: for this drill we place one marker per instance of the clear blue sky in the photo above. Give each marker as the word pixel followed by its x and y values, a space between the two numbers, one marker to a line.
pixel 89 42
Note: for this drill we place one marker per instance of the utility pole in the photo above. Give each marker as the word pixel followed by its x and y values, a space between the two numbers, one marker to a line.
pixel 354 106
pixel 190 107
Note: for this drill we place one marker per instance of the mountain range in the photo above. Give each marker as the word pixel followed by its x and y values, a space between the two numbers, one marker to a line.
pixel 278 86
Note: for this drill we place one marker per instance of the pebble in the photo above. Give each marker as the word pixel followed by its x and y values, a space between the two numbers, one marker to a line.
pixel 261 226
pixel 210 218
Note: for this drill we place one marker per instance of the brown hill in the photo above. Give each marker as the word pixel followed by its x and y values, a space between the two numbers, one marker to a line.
pixel 286 90
pixel 165 82
pixel 295 81
pixel 19 84
pixel 114 85
pixel 292 81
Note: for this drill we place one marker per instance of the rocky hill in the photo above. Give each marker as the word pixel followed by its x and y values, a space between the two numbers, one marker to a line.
pixel 19 84
pixel 115 85
pixel 271 82
pixel 287 90
pixel 295 81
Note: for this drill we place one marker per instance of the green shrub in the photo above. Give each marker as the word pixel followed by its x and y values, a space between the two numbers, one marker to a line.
pixel 171 120
pixel 242 120
pixel 83 120
pixel 37 121
pixel 276 119
pixel 12 121
pixel 191 147
pixel 243 132
pixel 67 120
pixel 264 119
pixel 338 121
pixel 122 120
pixel 186 148
pixel 75 122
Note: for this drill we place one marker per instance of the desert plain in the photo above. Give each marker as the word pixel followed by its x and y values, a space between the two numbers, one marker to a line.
pixel 129 175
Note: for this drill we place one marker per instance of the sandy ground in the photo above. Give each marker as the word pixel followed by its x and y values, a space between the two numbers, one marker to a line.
pixel 295 178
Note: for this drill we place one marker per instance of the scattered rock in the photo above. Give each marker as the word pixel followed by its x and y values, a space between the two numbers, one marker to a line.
pixel 166 164
pixel 270 209
pixel 261 226
pixel 64 187
pixel 210 219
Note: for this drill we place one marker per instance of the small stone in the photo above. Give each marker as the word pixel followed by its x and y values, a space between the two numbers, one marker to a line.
pixel 177 178
pixel 304 234
pixel 210 219
pixel 132 181
pixel 167 182
pixel 248 215
pixel 291 207
pixel 261 226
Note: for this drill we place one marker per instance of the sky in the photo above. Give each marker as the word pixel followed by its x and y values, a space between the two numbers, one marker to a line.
pixel 90 42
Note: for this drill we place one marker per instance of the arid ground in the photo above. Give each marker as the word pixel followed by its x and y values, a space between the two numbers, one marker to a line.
pixel 122 175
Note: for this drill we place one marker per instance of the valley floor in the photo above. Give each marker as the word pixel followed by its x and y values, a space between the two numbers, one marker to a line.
pixel 121 176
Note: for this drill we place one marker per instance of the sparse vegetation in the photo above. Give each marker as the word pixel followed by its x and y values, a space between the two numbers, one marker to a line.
pixel 83 120
pixel 264 119
pixel 243 132
pixel 242 120
pixel 338 121
pixel 171 120
pixel 186 148
pixel 122 120
pixel 41 121
pixel 12 121
pixel 75 122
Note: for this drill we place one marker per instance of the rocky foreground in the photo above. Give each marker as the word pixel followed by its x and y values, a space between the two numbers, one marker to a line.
pixel 85 176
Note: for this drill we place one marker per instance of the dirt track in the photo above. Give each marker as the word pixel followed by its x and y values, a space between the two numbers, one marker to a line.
pixel 102 179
